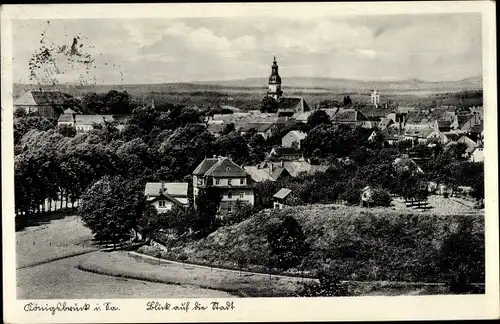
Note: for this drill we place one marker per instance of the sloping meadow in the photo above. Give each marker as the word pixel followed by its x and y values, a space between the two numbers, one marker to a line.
pixel 355 243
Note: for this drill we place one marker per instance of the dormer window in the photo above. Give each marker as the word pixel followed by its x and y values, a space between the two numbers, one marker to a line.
pixel 228 168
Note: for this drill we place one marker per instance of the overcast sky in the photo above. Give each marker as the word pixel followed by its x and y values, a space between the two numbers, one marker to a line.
pixel 427 47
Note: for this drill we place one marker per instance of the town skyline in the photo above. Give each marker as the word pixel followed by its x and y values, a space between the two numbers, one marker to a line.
pixel 427 47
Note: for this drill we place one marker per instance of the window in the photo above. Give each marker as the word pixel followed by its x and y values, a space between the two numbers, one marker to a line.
pixel 229 195
pixel 229 209
pixel 242 181
pixel 161 203
pixel 242 195
pixel 217 181
pixel 228 182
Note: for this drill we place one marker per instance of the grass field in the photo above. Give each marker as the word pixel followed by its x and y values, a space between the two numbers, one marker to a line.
pixel 56 239
pixel 49 269
pixel 360 244
pixel 121 264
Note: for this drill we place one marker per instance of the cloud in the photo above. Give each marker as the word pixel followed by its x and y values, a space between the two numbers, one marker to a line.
pixel 166 50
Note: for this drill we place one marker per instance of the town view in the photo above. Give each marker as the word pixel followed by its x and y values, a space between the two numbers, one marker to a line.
pixel 230 157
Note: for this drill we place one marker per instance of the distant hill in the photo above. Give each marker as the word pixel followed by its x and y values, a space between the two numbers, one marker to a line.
pixel 289 84
pixel 354 85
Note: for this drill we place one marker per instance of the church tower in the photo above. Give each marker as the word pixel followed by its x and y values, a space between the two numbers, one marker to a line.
pixel 274 89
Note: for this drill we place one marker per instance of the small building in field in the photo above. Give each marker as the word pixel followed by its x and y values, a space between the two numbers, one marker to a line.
pixel 366 196
pixel 293 139
pixel 282 198
pixel 165 195
pixel 85 123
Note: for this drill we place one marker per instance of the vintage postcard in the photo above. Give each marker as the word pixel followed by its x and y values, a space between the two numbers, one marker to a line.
pixel 249 162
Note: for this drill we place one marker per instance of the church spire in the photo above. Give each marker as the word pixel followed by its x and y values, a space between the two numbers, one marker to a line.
pixel 274 88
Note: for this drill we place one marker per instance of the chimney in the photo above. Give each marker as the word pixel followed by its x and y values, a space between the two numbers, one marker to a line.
pixel 270 168
pixel 281 163
pixel 162 189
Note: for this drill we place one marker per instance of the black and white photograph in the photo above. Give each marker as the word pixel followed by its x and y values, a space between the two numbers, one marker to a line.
pixel 229 157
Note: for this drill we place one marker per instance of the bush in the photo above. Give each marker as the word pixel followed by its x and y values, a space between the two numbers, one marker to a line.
pixel 351 195
pixel 380 198
pixel 446 195
pixel 329 286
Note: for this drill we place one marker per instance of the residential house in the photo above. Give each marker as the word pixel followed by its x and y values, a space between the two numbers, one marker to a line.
pixel 85 123
pixel 216 129
pixel 389 135
pixel 291 105
pixel 264 129
pixel 267 171
pixel 282 198
pixel 45 103
pixel 67 118
pixel 293 139
pixel 350 117
pixel 471 145
pixel 302 117
pixel 478 154
pixel 285 153
pixel 443 125
pixel 165 195
pixel 474 120
pixel 385 123
pixel 231 179
pixel 419 134
pixel 404 163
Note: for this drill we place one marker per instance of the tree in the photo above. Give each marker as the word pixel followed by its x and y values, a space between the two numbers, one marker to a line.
pixel 347 101
pixel 67 130
pixel 462 257
pixel 268 105
pixel 242 211
pixel 207 207
pixel 318 117
pixel 288 243
pixel 112 207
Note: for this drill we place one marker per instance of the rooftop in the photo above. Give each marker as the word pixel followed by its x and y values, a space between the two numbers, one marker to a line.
pixel 282 193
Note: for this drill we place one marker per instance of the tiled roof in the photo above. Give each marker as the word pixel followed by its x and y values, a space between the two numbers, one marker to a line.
pixel 293 103
pixel 277 171
pixel 69 111
pixel 279 151
pixel 298 134
pixel 65 118
pixel 205 165
pixel 422 132
pixel 219 167
pixel 258 174
pixel 444 123
pixel 297 167
pixel 215 128
pixel 282 193
pixel 406 163
pixel 91 119
pixel 476 129
pixel 302 117
pixel 385 122
pixel 175 189
pixel 41 98
pixel 348 115
pixel 467 141
pixel 260 127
